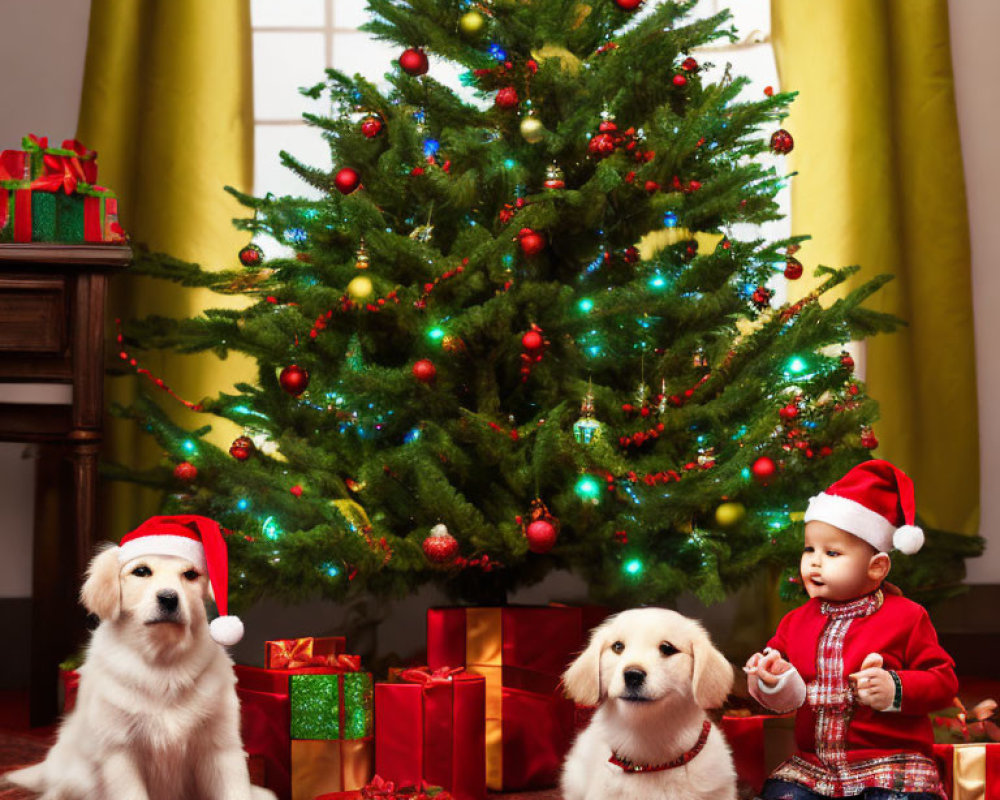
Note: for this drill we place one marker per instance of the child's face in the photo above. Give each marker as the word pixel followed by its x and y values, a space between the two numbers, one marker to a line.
pixel 837 565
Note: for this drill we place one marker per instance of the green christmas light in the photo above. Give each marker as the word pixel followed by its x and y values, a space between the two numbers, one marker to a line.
pixel 657 281
pixel 587 488
pixel 796 366
pixel 745 473
pixel 436 334
pixel 509 163
pixel 189 446
pixel 633 567
pixel 270 529
pixel 586 305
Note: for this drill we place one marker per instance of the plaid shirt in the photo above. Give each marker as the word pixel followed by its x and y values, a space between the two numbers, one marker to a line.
pixel 835 768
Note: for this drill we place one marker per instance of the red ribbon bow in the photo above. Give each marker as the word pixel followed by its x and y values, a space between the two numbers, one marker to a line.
pixel 429 678
pixel 298 653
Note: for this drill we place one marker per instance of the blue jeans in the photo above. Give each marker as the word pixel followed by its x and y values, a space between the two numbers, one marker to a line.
pixel 782 790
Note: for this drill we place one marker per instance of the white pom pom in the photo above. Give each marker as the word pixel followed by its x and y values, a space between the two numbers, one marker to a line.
pixel 908 539
pixel 226 630
pixel 440 530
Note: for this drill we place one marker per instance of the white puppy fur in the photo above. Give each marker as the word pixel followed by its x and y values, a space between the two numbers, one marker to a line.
pixel 652 716
pixel 157 717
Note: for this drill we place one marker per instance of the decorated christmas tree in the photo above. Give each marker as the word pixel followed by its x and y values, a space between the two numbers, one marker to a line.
pixel 519 331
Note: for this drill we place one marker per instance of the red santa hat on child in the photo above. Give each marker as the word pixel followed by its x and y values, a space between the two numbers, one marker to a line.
pixel 875 502
pixel 200 541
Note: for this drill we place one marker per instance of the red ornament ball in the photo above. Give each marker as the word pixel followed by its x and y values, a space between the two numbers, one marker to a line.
pixel 680 80
pixel 793 268
pixel 868 440
pixel 242 448
pixel 294 379
pixel 532 340
pixel 440 547
pixel 414 61
pixel 507 98
pixel 371 126
pixel 186 471
pixel 782 142
pixel 689 64
pixel 763 469
pixel 251 255
pixel 541 535
pixel 628 5
pixel 789 412
pixel 532 242
pixel 424 370
pixel 347 180
pixel 603 144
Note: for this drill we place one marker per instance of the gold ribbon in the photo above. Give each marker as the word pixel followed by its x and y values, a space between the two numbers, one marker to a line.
pixel 319 767
pixel 484 656
pixel 969 772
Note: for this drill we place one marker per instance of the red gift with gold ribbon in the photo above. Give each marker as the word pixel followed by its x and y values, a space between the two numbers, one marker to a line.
pixel 970 771
pixel 430 726
pixel 522 652
pixel 306 651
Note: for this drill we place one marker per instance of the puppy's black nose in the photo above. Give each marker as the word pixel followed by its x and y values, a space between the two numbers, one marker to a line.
pixel 634 678
pixel 167 598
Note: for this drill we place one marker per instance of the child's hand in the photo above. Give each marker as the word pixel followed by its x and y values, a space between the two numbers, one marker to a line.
pixel 875 686
pixel 767 667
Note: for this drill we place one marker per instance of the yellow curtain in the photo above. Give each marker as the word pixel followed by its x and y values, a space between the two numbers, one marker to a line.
pixel 880 184
pixel 167 103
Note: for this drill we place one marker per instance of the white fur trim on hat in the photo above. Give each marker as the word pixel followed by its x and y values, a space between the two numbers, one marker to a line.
pixel 226 630
pixel 854 518
pixel 908 539
pixel 164 544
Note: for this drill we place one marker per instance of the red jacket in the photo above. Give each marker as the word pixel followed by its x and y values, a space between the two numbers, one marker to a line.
pixel 901 632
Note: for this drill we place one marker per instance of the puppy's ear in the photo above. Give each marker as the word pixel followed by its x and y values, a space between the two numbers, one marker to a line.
pixel 101 593
pixel 582 681
pixel 713 674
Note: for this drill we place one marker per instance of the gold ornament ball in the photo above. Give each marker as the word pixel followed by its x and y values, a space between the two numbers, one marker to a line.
pixel 360 287
pixel 471 23
pixel 729 514
pixel 532 130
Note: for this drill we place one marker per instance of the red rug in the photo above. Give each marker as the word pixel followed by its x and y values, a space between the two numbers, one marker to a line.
pixel 19 751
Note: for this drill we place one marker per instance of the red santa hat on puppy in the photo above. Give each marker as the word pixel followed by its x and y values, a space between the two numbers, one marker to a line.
pixel 875 502
pixel 200 541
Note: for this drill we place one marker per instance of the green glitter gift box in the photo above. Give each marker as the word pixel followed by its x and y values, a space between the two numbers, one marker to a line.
pixel 335 706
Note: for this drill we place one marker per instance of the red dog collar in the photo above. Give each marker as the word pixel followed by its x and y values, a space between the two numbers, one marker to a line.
pixel 680 761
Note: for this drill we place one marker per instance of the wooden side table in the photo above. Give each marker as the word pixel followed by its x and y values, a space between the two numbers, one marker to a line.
pixel 52 301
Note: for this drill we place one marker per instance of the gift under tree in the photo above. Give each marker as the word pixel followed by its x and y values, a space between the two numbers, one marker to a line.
pixel 520 331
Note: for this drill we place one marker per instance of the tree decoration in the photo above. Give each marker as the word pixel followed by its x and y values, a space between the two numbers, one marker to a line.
pixel 360 287
pixel 679 80
pixel 689 64
pixel 868 440
pixel 535 345
pixel 587 429
pixel 793 268
pixel 601 145
pixel 362 259
pixel 186 471
pixel 251 255
pixel 846 361
pixel 347 180
pixel 532 129
pixel 532 243
pixel 628 5
pixel 242 448
pixel 554 177
pixel 414 61
pixel 763 469
pixel 440 547
pixel 730 514
pixel 424 370
pixel 507 98
pixel 371 126
pixel 471 23
pixel 782 142
pixel 761 297
pixel 542 528
pixel 294 380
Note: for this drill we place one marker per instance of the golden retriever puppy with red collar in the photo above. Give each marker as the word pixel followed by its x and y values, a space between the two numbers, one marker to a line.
pixel 652 674
pixel 157 717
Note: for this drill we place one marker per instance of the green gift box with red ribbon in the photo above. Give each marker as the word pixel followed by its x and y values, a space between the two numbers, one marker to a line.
pixel 49 194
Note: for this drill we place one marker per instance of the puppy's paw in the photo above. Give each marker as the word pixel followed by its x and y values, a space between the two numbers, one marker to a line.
pixel 30 778
pixel 259 793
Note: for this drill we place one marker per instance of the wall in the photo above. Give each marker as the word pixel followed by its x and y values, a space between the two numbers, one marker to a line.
pixel 45 101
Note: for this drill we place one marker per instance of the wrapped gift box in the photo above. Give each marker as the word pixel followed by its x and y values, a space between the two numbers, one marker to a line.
pixel 48 194
pixel 521 652
pixel 311 726
pixel 380 789
pixel 306 651
pixel 431 727
pixel 970 771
